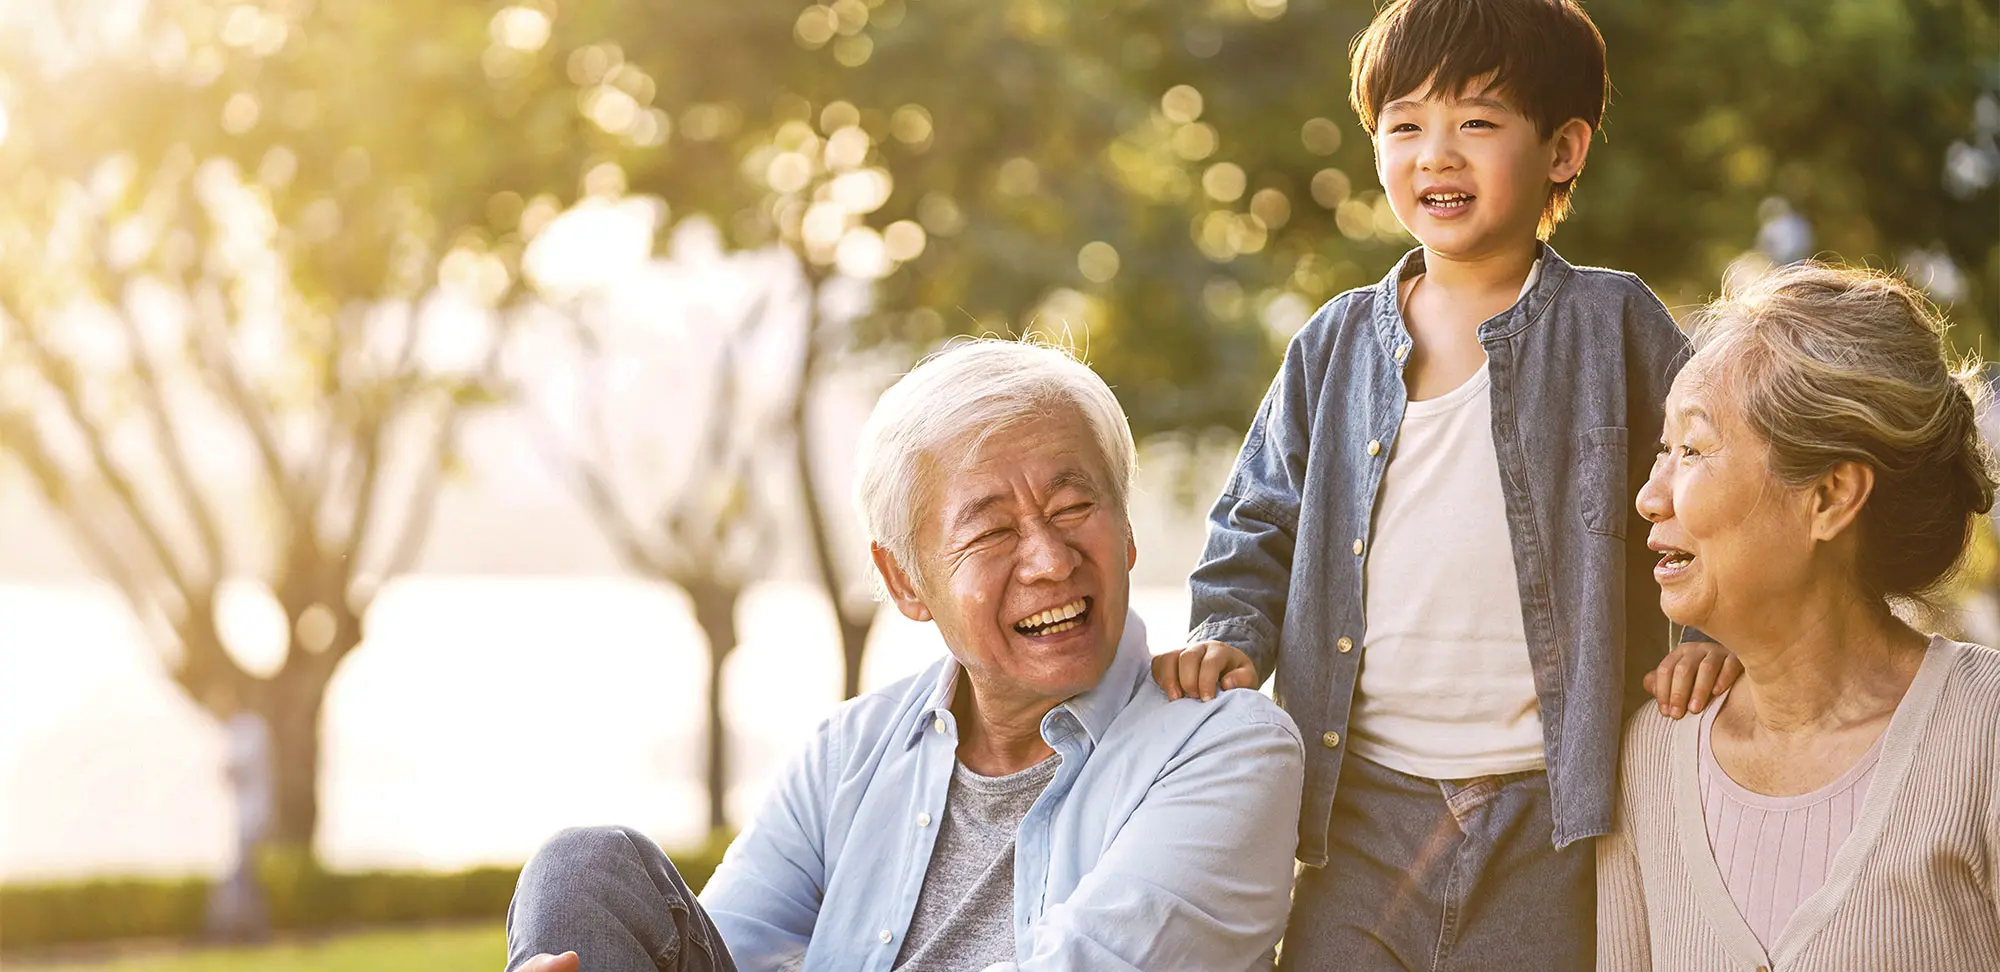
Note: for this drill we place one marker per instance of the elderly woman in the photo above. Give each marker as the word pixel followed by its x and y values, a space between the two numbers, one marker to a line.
pixel 1032 801
pixel 1839 808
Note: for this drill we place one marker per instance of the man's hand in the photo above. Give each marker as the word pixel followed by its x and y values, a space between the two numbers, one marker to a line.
pixel 566 962
pixel 1690 676
pixel 1201 670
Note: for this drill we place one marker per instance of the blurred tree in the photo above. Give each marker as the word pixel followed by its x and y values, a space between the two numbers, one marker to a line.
pixel 707 533
pixel 267 228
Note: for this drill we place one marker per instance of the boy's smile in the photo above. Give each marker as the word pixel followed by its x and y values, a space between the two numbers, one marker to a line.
pixel 1467 174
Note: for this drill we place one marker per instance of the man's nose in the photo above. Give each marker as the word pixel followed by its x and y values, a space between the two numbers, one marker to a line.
pixel 1046 555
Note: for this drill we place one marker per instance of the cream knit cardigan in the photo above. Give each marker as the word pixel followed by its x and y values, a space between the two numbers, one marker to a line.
pixel 1914 886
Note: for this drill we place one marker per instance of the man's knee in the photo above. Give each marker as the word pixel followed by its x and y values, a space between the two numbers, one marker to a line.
pixel 597 860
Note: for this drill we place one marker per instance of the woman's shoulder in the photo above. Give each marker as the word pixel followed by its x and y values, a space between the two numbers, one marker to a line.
pixel 1646 754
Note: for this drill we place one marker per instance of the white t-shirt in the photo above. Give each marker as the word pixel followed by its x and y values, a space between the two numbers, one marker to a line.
pixel 1446 689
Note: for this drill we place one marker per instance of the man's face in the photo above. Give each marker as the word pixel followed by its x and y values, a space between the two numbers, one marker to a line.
pixel 1025 558
pixel 1470 174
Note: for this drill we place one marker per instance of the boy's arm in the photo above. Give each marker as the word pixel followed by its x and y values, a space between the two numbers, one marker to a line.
pixel 1240 586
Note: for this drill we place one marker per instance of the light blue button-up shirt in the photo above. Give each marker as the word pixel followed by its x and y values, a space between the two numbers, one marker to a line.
pixel 1165 840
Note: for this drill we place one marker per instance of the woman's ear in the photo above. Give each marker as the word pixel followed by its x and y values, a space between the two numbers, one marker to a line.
pixel 1838 497
pixel 902 590
pixel 1572 146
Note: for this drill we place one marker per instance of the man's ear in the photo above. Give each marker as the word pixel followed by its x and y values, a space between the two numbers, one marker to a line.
pixel 902 590
pixel 1838 497
pixel 1572 146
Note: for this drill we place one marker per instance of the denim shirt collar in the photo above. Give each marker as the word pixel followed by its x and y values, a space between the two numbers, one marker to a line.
pixel 1394 335
pixel 1094 710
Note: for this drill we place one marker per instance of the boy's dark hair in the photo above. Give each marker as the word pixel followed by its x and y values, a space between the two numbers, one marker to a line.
pixel 1544 56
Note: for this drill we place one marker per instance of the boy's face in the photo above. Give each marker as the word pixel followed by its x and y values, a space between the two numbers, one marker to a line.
pixel 1470 175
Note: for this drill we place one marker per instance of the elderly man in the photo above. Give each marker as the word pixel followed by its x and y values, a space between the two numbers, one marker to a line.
pixel 1032 801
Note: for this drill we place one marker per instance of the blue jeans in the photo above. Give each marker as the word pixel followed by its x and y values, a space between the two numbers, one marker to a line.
pixel 610 895
pixel 1443 875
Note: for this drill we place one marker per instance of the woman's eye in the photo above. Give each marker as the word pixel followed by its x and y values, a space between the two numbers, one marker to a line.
pixel 987 537
pixel 1072 512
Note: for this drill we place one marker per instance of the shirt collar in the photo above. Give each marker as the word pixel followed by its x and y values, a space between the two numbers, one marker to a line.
pixel 1094 710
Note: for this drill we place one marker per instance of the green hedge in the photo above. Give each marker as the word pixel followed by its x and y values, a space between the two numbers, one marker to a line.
pixel 300 895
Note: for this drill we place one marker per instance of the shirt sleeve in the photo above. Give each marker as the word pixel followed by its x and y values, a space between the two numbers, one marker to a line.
pixel 1656 350
pixel 1200 875
pixel 1240 585
pixel 1623 938
pixel 764 897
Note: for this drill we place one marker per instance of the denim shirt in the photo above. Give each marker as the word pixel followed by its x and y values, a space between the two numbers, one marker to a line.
pixel 1164 840
pixel 1580 367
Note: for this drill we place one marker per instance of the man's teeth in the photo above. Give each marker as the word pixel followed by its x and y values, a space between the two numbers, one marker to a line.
pixel 1676 558
pixel 1053 616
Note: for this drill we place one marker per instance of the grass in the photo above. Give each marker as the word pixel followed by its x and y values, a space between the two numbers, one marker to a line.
pixel 473 948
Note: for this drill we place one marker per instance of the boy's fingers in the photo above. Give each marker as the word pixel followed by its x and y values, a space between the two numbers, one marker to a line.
pixel 1166 671
pixel 1704 684
pixel 1677 699
pixel 1212 664
pixel 1731 668
pixel 1190 671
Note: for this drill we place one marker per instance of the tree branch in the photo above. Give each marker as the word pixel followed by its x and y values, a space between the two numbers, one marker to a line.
pixel 175 453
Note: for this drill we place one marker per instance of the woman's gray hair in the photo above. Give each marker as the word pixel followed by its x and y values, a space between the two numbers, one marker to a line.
pixel 1831 365
pixel 949 403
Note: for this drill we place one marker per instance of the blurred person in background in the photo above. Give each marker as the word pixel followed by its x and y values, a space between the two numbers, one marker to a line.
pixel 1839 808
pixel 236 911
pixel 1031 801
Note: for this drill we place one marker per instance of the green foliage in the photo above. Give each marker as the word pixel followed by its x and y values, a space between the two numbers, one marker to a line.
pixel 301 897
pixel 473 948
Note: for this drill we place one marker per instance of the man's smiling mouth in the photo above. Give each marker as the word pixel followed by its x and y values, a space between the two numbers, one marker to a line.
pixel 1055 620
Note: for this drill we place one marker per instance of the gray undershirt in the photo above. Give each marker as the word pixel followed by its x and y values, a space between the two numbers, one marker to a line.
pixel 965 914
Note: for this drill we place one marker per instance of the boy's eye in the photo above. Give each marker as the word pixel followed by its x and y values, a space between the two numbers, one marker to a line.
pixel 1480 123
pixel 1402 127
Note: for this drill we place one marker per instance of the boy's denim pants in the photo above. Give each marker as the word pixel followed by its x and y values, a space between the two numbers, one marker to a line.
pixel 1439 875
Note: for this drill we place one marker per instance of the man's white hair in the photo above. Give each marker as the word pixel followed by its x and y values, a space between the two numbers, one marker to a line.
pixel 949 403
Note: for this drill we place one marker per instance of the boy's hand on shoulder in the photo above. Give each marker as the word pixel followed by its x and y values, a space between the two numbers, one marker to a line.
pixel 1690 676
pixel 1201 670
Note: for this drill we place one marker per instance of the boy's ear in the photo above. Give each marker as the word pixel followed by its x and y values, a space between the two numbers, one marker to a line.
pixel 1571 143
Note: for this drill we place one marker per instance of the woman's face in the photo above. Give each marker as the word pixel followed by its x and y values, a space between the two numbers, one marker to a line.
pixel 1734 541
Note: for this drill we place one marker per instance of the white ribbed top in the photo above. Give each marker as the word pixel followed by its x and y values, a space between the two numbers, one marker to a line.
pixel 1774 851
pixel 1915 887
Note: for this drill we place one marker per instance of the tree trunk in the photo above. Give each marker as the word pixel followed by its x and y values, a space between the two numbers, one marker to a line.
pixel 291 705
pixel 853 641
pixel 715 612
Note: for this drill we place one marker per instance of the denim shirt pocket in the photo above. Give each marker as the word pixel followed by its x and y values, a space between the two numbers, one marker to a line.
pixel 1601 476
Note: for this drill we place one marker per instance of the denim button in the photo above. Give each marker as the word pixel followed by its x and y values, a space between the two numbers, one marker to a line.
pixel 1331 739
pixel 1359 546
pixel 1402 352
pixel 1345 645
pixel 1374 447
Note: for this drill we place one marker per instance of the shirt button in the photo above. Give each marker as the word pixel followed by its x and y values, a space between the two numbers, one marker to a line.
pixel 1331 739
pixel 923 820
pixel 1359 546
pixel 938 724
pixel 1374 447
pixel 885 936
pixel 1345 645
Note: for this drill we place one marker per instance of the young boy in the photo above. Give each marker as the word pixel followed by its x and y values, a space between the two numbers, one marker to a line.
pixel 1429 534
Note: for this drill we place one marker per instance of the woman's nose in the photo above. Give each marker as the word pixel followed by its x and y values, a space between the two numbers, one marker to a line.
pixel 1656 501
